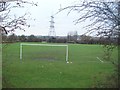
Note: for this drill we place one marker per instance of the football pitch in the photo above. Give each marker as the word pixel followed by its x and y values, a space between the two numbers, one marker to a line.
pixel 46 67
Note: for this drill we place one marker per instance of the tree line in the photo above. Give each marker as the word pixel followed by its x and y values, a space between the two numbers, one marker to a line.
pixel 70 38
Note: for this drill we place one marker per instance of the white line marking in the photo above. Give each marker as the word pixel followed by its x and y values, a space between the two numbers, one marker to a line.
pixel 99 59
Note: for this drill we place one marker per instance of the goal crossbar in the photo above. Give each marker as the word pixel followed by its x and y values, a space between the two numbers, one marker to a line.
pixel 50 45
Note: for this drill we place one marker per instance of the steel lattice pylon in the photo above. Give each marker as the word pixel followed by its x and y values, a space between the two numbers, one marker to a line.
pixel 52 28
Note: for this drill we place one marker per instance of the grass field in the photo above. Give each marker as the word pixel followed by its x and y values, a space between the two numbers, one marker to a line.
pixel 0 66
pixel 35 71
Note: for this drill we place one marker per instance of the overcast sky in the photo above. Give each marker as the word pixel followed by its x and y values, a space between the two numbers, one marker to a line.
pixel 42 13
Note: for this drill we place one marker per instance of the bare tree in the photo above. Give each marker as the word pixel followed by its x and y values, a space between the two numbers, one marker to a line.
pixel 104 17
pixel 72 36
pixel 9 24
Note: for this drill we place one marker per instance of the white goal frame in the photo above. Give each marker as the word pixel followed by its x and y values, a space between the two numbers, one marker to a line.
pixel 50 45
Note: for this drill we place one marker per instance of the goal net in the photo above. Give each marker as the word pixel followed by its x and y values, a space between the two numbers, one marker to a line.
pixel 43 52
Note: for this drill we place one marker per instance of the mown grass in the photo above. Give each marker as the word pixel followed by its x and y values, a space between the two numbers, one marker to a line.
pixel 0 66
pixel 38 73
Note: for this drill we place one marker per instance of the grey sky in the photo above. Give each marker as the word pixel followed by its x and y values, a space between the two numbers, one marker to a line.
pixel 42 13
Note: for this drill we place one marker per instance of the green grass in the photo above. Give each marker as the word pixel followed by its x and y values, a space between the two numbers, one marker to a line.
pixel 0 66
pixel 31 73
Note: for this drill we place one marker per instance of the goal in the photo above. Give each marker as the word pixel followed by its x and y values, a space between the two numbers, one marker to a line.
pixel 43 45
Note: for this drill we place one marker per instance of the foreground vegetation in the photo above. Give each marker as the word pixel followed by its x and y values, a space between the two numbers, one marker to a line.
pixel 83 72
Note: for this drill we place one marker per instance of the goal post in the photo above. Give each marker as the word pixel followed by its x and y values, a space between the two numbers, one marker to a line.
pixel 47 45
